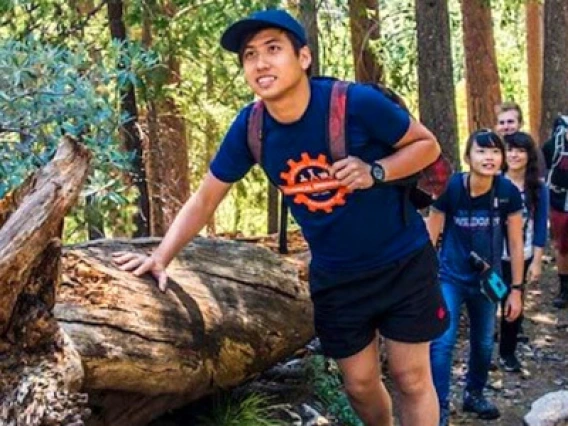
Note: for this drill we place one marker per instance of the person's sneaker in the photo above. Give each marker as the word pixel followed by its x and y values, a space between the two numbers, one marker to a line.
pixel 511 364
pixel 475 402
pixel 561 299
pixel 444 416
pixel 522 338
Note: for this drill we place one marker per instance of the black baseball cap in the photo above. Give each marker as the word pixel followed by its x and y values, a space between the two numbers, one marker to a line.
pixel 233 36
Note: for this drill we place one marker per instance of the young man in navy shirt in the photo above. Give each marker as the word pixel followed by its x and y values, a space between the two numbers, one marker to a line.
pixel 373 267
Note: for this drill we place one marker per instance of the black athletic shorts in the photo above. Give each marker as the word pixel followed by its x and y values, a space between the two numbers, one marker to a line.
pixel 402 300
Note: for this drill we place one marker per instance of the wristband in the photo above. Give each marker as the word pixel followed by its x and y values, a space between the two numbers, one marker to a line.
pixel 519 287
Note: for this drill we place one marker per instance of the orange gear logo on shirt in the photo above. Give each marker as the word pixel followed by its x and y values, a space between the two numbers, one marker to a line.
pixel 310 182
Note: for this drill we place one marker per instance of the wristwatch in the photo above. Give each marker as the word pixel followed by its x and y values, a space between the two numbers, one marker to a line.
pixel 519 287
pixel 377 172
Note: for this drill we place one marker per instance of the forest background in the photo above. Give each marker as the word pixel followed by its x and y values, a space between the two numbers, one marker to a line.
pixel 146 86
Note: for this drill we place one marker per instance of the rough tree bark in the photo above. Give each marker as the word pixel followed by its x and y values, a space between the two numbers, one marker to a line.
pixel 166 150
pixel 130 130
pixel 482 74
pixel 309 18
pixel 555 80
pixel 435 75
pixel 231 310
pixel 40 371
pixel 534 23
pixel 365 28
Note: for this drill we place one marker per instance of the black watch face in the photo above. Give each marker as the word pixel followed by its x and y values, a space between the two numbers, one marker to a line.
pixel 378 172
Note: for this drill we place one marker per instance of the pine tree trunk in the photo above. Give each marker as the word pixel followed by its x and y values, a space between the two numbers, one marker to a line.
pixel 273 215
pixel 167 151
pixel 212 134
pixel 534 30
pixel 435 75
pixel 555 80
pixel 365 28
pixel 130 130
pixel 482 74
pixel 309 19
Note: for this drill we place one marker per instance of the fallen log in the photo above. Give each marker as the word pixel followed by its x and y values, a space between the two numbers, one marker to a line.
pixel 231 310
pixel 72 322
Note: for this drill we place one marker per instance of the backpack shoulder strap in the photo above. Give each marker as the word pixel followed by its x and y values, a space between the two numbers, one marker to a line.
pixel 254 131
pixel 559 147
pixel 337 137
pixel 454 191
pixel 503 200
pixel 338 120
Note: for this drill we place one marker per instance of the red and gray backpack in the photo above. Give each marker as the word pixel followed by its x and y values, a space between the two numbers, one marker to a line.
pixel 420 190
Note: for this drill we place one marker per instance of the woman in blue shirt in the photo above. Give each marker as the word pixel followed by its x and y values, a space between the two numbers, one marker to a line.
pixel 523 171
pixel 475 212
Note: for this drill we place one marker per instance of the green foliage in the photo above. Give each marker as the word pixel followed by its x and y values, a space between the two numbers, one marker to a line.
pixel 252 410
pixel 398 49
pixel 510 44
pixel 47 92
pixel 211 92
pixel 328 387
pixel 335 46
pixel 59 74
pixel 49 21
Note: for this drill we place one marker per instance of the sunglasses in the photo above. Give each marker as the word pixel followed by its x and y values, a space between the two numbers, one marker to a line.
pixel 510 121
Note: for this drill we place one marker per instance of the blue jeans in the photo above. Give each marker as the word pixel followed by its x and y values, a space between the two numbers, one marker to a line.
pixel 481 313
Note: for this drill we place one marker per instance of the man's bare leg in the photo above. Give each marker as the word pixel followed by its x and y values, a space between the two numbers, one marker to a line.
pixel 409 366
pixel 364 387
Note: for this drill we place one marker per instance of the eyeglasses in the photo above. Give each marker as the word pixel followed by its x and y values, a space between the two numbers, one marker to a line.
pixel 509 121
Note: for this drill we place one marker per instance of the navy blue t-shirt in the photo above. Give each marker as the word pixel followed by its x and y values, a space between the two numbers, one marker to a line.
pixel 466 227
pixel 346 232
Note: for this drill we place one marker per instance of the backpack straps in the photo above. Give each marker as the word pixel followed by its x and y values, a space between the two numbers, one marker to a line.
pixel 337 120
pixel 336 127
pixel 453 192
pixel 254 142
pixel 559 147
pixel 254 131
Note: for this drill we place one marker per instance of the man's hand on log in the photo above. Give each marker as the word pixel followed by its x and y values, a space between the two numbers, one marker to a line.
pixel 140 264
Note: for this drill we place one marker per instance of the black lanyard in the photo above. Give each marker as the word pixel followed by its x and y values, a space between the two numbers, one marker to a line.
pixel 491 211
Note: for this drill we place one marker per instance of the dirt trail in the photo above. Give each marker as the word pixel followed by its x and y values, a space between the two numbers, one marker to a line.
pixel 544 358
